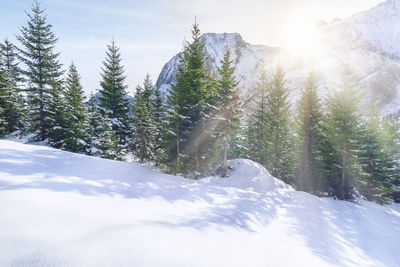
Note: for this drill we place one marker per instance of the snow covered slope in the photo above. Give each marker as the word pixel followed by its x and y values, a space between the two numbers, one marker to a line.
pixel 64 209
pixel 368 43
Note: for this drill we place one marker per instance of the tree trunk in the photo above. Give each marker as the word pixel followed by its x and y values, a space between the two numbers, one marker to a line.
pixel 177 147
pixel 343 172
pixel 225 160
pixel 196 157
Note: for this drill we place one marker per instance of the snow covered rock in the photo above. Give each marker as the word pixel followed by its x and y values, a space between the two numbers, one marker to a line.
pixel 249 174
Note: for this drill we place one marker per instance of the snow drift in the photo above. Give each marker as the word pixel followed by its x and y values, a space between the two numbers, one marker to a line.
pixel 65 209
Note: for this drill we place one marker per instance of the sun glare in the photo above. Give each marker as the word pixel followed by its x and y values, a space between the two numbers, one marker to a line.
pixel 301 38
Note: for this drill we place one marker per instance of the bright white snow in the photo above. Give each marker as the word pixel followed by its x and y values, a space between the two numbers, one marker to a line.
pixel 64 209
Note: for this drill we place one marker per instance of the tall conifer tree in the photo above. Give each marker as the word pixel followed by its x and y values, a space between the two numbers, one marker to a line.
pixel 113 100
pixel 187 101
pixel 229 113
pixel 43 68
pixel 76 138
pixel 159 125
pixel 278 119
pixel 341 129
pixel 309 131
pixel 11 100
pixel 143 121
pixel 257 122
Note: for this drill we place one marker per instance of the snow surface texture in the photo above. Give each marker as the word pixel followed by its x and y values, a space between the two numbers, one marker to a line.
pixel 64 209
pixel 368 43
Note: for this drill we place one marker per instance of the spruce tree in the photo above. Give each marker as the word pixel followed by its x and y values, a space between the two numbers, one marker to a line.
pixel 379 167
pixel 107 143
pixel 257 134
pixel 76 117
pixel 3 123
pixel 103 141
pixel 391 144
pixel 143 121
pixel 159 125
pixel 229 113
pixel 187 101
pixel 309 132
pixel 11 100
pixel 339 145
pixel 57 112
pixel 280 160
pixel 113 96
pixel 43 68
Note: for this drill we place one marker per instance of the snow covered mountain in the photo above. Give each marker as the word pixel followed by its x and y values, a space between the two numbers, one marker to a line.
pixel 65 209
pixel 245 56
pixel 368 43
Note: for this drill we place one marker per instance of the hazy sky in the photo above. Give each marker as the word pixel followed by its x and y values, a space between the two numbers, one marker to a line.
pixel 151 32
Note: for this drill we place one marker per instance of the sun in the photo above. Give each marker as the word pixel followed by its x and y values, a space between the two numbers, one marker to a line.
pixel 301 38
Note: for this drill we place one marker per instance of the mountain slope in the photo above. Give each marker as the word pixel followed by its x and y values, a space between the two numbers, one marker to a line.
pixel 367 43
pixel 64 209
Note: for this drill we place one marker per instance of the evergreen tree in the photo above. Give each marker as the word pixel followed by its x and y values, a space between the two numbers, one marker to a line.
pixel 340 144
pixel 257 123
pixel 187 102
pixel 159 125
pixel 11 100
pixel 57 112
pixel 104 141
pixel 143 121
pixel 76 136
pixel 107 144
pixel 240 145
pixel 229 106
pixel 278 124
pixel 43 68
pixel 3 123
pixel 209 134
pixel 309 132
pixel 379 167
pixel 391 146
pixel 113 96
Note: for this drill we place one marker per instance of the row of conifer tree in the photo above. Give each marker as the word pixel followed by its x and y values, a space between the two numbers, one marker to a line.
pixel 329 148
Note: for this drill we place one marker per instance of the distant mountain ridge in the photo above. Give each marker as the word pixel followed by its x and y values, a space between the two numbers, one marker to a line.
pixel 367 42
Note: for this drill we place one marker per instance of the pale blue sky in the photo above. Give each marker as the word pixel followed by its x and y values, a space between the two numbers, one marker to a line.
pixel 151 32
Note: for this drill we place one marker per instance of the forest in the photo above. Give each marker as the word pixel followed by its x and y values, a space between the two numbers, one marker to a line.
pixel 339 146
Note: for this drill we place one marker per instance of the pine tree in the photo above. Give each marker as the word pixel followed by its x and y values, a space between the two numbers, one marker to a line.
pixel 113 96
pixel 159 125
pixel 309 132
pixel 3 123
pixel 391 146
pixel 278 126
pixel 57 112
pixel 11 100
pixel 187 100
pixel 103 141
pixel 257 134
pixel 240 145
pixel 76 117
pixel 339 144
pixel 229 113
pixel 143 121
pixel 379 167
pixel 107 143
pixel 43 68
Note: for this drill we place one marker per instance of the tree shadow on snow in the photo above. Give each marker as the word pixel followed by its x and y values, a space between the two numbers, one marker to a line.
pixel 328 227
